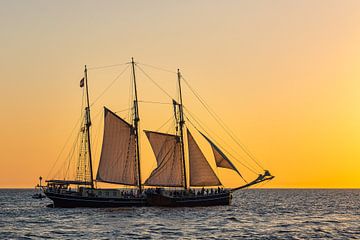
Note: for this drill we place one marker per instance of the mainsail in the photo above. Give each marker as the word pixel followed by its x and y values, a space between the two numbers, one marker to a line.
pixel 118 154
pixel 166 148
pixel 201 173
pixel 220 158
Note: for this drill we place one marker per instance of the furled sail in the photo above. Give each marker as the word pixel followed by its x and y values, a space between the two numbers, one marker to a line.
pixel 118 154
pixel 220 158
pixel 201 173
pixel 166 148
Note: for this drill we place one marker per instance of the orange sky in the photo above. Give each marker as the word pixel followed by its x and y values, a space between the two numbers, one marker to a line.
pixel 283 75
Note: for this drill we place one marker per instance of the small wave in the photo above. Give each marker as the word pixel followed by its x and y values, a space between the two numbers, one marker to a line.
pixel 234 219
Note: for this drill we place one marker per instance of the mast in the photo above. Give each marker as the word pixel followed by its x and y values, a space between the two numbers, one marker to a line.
pixel 181 124
pixel 136 125
pixel 88 124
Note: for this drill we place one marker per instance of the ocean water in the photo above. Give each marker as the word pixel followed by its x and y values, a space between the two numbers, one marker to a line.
pixel 254 214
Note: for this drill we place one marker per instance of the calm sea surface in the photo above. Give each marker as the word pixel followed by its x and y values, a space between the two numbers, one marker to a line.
pixel 254 214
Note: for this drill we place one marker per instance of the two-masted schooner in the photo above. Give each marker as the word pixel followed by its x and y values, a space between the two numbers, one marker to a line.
pixel 175 182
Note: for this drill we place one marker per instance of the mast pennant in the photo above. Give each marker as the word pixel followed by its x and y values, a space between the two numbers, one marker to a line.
pixel 117 161
pixel 82 82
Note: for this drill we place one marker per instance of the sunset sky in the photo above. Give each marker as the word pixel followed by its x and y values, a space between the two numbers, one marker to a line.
pixel 283 75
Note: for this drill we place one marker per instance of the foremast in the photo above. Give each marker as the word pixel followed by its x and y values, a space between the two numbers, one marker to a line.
pixel 87 126
pixel 136 125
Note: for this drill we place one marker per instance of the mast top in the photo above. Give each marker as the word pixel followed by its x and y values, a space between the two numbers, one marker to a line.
pixel 181 124
pixel 88 124
pixel 136 125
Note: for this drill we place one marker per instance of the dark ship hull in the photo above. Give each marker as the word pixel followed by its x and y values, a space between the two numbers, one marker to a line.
pixel 164 200
pixel 67 201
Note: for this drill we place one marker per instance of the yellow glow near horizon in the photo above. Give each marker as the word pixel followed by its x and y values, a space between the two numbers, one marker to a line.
pixel 283 75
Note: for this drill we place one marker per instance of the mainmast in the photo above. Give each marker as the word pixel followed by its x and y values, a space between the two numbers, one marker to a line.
pixel 136 125
pixel 88 124
pixel 181 124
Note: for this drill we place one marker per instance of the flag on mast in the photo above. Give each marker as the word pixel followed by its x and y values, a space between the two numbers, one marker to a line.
pixel 82 82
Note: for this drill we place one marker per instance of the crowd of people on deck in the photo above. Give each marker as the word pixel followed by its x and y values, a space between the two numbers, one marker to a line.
pixel 189 192
pixel 135 193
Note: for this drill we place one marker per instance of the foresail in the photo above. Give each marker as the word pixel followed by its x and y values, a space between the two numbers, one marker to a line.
pixel 201 173
pixel 166 148
pixel 220 158
pixel 118 154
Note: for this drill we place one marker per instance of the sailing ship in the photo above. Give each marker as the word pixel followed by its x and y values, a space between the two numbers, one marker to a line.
pixel 175 182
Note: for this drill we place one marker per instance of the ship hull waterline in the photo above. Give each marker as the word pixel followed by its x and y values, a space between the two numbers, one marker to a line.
pixel 66 201
pixel 153 199
pixel 160 200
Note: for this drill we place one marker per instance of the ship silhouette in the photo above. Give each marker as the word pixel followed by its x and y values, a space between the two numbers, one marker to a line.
pixel 175 182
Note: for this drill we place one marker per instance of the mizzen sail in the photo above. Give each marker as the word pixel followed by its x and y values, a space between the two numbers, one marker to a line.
pixel 201 173
pixel 118 154
pixel 166 148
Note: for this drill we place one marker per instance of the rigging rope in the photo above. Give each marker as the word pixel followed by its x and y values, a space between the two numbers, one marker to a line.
pixel 211 112
pixel 123 110
pixel 96 137
pixel 107 88
pixel 158 68
pixel 158 129
pixel 205 105
pixel 106 66
pixel 154 81
pixel 203 126
pixel 250 168
pixel 232 157
pixel 214 115
pixel 63 148
pixel 154 102
pixel 71 152
pixel 131 99
pixel 222 124
pixel 71 133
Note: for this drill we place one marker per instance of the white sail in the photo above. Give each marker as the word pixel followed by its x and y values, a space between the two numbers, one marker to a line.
pixel 201 173
pixel 166 148
pixel 220 158
pixel 118 154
